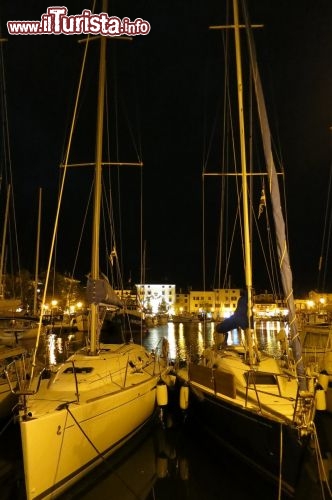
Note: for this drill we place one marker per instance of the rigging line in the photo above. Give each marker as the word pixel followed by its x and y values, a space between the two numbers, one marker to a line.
pixel 320 463
pixel 327 253
pixel 232 240
pixel 136 144
pixel 207 144
pixel 325 246
pixel 100 454
pixel 224 155
pixel 8 159
pixel 105 222
pixel 34 357
pixel 82 231
pixel 224 202
pixel 142 255
pixel 7 424
pixel 116 275
pixel 272 269
pixel 116 119
pixel 284 199
pixel 111 211
pixel 110 198
pixel 203 231
pixel 280 462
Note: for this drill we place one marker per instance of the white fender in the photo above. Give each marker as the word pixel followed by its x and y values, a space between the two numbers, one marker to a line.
pixel 184 397
pixel 323 380
pixel 162 394
pixel 320 399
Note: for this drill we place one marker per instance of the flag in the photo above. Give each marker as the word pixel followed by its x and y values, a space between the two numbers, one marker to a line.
pixel 113 255
pixel 262 203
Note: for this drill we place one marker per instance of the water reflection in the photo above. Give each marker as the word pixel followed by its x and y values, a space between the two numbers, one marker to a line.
pixel 185 339
pixel 55 348
pixel 190 339
pixel 172 463
pixel 158 463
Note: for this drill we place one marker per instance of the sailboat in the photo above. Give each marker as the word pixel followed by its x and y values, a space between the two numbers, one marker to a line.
pixel 256 405
pixel 102 395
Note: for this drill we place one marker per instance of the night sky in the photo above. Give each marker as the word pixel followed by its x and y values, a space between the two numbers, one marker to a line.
pixel 168 90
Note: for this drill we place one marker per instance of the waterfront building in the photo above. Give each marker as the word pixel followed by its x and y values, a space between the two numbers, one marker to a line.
pixel 155 298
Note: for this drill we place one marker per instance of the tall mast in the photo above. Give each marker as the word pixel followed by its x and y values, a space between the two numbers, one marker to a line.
pixel 247 246
pixel 97 186
pixel 37 254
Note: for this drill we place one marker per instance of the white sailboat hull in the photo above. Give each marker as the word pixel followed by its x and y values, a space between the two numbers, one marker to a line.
pixel 63 439
pixel 262 420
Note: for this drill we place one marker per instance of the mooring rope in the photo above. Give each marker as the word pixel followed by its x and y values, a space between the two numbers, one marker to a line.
pixel 280 464
pixel 100 454
pixel 6 425
pixel 320 464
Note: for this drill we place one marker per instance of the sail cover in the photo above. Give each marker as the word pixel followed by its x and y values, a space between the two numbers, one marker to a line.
pixel 99 291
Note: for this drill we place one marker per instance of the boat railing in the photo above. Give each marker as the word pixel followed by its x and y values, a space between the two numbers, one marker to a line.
pixel 18 377
pixel 304 411
pixel 304 401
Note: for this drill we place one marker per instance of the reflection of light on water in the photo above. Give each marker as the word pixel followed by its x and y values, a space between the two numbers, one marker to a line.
pixel 153 338
pixel 171 341
pixel 200 342
pixel 190 339
pixel 51 348
pixel 181 351
pixel 267 335
pixel 57 348
pixel 185 339
pixel 207 336
pixel 234 338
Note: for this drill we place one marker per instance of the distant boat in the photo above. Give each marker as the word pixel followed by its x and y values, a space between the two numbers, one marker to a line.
pixel 184 318
pixel 102 395
pixel 60 329
pixel 127 322
pixel 255 405
pixel 16 328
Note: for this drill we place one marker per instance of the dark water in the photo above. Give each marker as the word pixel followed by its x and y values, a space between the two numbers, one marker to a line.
pixel 165 461
pixel 160 463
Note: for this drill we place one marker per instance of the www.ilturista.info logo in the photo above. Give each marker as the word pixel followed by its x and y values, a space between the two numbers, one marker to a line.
pixel 57 22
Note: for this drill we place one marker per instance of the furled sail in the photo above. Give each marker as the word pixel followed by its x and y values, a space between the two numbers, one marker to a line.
pixel 282 247
pixel 99 291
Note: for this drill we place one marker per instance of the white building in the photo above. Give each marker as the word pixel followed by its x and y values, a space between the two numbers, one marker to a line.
pixel 156 299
